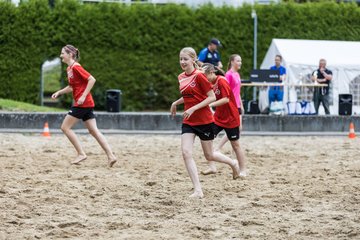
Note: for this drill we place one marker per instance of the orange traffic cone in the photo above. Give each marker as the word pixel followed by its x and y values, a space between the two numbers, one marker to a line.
pixel 46 132
pixel 352 131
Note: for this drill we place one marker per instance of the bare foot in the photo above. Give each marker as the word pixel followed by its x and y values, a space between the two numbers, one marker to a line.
pixel 242 175
pixel 112 161
pixel 197 195
pixel 79 159
pixel 209 171
pixel 236 169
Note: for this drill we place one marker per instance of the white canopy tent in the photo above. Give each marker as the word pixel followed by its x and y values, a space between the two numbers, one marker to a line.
pixel 301 58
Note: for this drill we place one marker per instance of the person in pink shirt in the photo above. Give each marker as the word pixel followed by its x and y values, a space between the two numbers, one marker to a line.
pixel 234 80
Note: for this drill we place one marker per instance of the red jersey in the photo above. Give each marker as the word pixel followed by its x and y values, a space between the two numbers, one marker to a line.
pixel 227 115
pixel 78 80
pixel 194 89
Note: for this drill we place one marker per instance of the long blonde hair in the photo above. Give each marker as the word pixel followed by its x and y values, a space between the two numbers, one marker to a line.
pixel 232 57
pixel 192 54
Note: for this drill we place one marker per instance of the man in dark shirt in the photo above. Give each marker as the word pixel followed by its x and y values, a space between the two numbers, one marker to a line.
pixel 210 54
pixel 321 94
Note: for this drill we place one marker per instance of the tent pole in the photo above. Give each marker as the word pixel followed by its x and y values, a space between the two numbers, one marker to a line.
pixel 254 16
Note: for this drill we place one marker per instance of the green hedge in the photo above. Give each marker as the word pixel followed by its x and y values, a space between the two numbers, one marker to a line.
pixel 135 47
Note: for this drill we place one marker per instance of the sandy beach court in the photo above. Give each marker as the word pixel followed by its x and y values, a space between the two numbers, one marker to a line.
pixel 297 188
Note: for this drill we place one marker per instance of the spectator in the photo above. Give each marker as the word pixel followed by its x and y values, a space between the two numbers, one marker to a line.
pixel 210 54
pixel 276 93
pixel 321 94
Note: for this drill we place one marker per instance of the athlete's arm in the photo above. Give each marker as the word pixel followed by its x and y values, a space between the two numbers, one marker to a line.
pixel 220 102
pixel 174 104
pixel 210 98
pixel 67 89
pixel 89 86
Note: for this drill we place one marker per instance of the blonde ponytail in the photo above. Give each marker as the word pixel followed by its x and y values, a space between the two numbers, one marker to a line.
pixel 192 54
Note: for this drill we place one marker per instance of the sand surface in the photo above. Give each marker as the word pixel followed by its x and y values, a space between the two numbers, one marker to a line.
pixel 297 188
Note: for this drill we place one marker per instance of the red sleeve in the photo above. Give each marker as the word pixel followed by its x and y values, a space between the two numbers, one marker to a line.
pixel 203 83
pixel 81 72
pixel 224 88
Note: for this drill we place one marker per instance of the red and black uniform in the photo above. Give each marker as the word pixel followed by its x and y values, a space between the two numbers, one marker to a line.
pixel 194 89
pixel 227 115
pixel 78 80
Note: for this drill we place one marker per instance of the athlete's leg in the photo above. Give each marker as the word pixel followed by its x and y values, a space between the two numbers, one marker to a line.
pixel 66 126
pixel 239 156
pixel 187 142
pixel 94 131
pixel 210 155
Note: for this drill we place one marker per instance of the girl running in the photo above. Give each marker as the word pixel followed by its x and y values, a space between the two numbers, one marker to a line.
pixel 226 115
pixel 198 120
pixel 80 84
pixel 233 78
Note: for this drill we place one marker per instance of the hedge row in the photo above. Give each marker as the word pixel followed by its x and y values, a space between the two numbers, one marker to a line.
pixel 135 48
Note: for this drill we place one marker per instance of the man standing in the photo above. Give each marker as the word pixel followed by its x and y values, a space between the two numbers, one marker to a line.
pixel 210 54
pixel 321 94
pixel 276 93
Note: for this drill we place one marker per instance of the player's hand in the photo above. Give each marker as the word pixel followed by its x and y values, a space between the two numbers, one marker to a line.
pixel 81 100
pixel 173 110
pixel 55 95
pixel 188 113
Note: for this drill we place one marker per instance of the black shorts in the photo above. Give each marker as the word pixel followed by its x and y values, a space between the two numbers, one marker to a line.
pixel 204 132
pixel 82 113
pixel 233 134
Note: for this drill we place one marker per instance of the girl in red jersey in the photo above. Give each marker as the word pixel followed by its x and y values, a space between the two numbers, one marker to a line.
pixel 233 78
pixel 80 84
pixel 227 114
pixel 198 120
